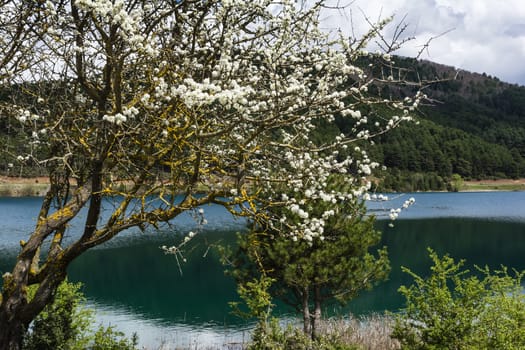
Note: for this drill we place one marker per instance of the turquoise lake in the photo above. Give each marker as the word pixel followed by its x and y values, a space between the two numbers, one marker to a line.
pixel 131 284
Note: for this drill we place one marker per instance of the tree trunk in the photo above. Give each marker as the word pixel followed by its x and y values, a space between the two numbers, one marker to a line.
pixel 16 312
pixel 316 320
pixel 13 315
pixel 11 332
pixel 306 313
pixel 14 302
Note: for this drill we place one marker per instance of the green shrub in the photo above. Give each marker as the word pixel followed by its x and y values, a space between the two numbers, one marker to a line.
pixel 67 325
pixel 455 309
pixel 110 339
pixel 62 325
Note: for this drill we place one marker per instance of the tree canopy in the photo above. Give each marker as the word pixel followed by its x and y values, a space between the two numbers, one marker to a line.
pixel 148 109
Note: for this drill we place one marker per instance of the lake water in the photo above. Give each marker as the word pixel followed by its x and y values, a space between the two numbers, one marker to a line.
pixel 133 285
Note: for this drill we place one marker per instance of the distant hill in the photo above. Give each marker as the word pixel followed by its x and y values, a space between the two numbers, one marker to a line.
pixel 474 127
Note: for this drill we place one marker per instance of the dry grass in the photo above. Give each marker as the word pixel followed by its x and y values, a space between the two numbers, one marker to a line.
pixel 22 190
pixel 20 187
pixel 366 333
pixel 369 333
pixel 494 185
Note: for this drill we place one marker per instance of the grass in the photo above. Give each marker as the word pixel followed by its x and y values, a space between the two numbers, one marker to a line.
pixel 492 186
pixel 22 190
pixel 368 332
pixel 365 333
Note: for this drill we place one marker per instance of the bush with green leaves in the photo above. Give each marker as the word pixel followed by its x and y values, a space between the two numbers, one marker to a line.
pixel 67 325
pixel 63 324
pixel 108 338
pixel 456 309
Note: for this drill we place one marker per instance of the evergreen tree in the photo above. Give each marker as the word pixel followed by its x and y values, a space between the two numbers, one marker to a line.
pixel 308 274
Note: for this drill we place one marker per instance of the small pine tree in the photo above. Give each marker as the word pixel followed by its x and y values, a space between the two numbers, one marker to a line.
pixel 307 274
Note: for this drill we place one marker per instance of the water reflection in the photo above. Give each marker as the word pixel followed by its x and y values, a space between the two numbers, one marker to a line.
pixel 156 332
pixel 141 277
pixel 133 285
pixel 479 242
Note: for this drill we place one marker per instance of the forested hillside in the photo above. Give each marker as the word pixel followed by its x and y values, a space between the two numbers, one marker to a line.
pixel 472 126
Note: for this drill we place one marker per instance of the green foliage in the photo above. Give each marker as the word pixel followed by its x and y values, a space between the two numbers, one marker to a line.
pixel 63 324
pixel 454 309
pixel 108 338
pixel 259 302
pixel 256 297
pixel 67 325
pixel 268 335
pixel 475 130
pixel 429 148
pixel 456 183
pixel 314 272
pixel 404 181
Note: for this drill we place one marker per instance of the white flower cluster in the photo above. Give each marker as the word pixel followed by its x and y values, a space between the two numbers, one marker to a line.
pixel 197 94
pixel 128 22
pixel 117 119
pixel 394 213
pixel 25 116
pixel 296 209
pixel 308 175
pixel 379 197
pixel 21 158
pixel 189 236
pixel 409 202
pixel 120 118
pixel 246 85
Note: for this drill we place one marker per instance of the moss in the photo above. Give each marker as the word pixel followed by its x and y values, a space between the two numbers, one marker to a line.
pixel 8 283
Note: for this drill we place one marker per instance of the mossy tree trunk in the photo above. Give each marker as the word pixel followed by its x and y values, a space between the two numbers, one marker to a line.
pixel 16 310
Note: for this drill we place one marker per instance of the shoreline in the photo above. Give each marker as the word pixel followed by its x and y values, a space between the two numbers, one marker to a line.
pixel 38 186
pixel 23 186
pixel 493 185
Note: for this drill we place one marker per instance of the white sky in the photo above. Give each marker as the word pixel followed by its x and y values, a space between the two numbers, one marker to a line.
pixel 482 35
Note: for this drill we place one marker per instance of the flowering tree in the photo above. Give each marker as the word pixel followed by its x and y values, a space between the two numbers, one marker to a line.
pixel 136 107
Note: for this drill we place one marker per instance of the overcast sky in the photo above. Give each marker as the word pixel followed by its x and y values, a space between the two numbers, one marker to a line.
pixel 481 35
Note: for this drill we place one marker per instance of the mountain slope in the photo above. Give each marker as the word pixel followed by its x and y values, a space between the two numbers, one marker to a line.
pixel 473 127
